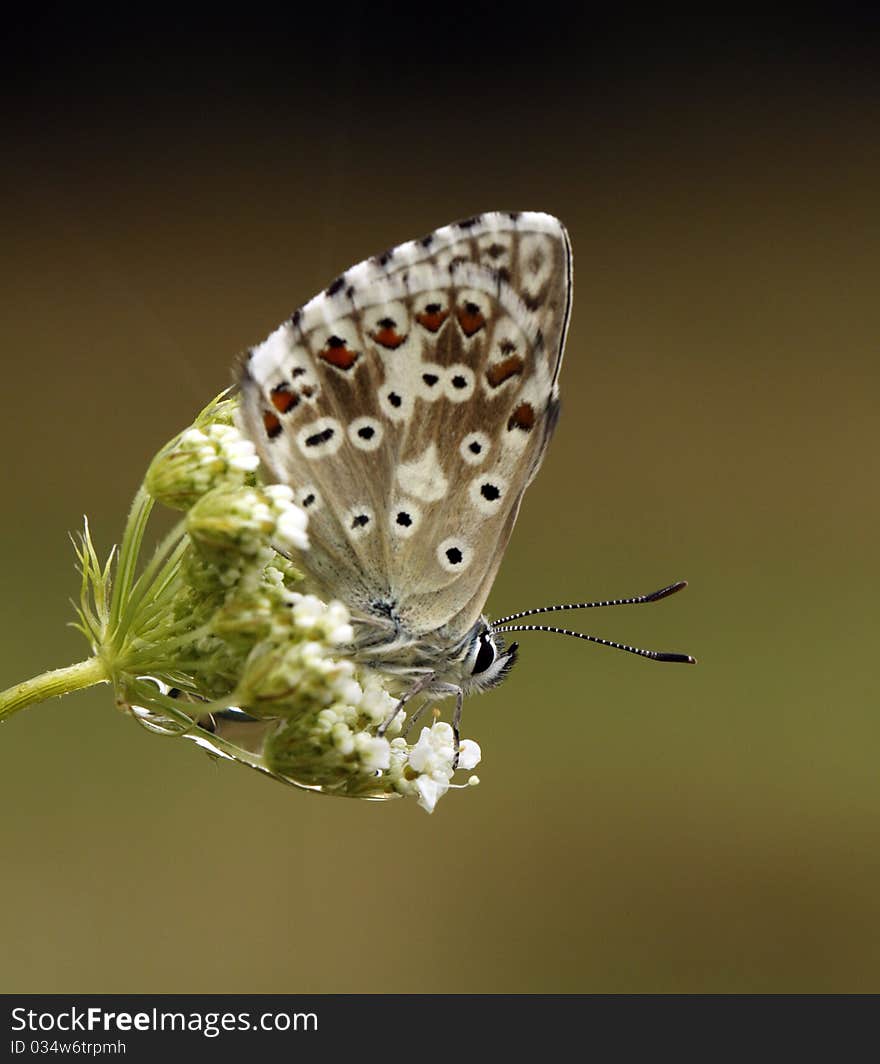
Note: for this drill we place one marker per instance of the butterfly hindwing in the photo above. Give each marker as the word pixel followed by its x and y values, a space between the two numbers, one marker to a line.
pixel 409 405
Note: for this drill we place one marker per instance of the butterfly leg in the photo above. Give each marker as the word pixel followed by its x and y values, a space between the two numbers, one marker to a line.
pixel 416 689
pixel 414 717
pixel 456 726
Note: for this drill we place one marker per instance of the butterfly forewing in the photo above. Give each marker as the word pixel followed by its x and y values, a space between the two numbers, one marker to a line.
pixel 409 405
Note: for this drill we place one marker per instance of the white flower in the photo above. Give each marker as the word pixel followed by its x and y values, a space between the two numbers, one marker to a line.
pixel 240 454
pixel 343 739
pixel 435 750
pixel 329 622
pixel 430 791
pixel 227 443
pixel 339 630
pixel 290 528
pixel 308 611
pixel 469 754
pixel 376 703
pixel 279 492
pixel 349 690
pixel 290 520
pixel 374 754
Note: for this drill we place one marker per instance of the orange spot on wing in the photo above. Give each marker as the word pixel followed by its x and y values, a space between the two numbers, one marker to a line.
pixel 338 355
pixel 388 337
pixel 500 372
pixel 470 319
pixel 523 418
pixel 271 424
pixel 283 399
pixel 432 319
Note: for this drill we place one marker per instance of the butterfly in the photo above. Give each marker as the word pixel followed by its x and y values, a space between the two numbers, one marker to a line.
pixel 409 405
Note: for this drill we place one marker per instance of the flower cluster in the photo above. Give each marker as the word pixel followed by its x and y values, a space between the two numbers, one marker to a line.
pixel 218 639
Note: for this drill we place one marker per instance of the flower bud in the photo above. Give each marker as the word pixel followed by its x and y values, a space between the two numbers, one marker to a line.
pixel 245 521
pixel 215 455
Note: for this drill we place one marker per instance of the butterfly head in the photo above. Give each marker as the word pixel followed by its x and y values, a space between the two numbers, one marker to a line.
pixel 488 660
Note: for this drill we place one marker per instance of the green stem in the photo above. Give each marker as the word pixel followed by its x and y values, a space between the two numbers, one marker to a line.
pixel 52 684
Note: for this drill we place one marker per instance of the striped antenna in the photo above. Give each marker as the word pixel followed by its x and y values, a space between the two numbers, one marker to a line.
pixel 655 596
pixel 654 655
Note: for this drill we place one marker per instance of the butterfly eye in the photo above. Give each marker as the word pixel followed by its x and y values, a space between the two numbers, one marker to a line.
pixel 485 655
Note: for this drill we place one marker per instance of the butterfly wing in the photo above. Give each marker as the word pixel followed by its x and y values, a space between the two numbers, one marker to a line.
pixel 409 405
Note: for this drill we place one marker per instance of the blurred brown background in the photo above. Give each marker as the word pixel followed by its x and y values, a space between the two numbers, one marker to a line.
pixel 171 191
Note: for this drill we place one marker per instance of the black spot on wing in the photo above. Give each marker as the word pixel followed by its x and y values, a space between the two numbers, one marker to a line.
pixel 319 437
